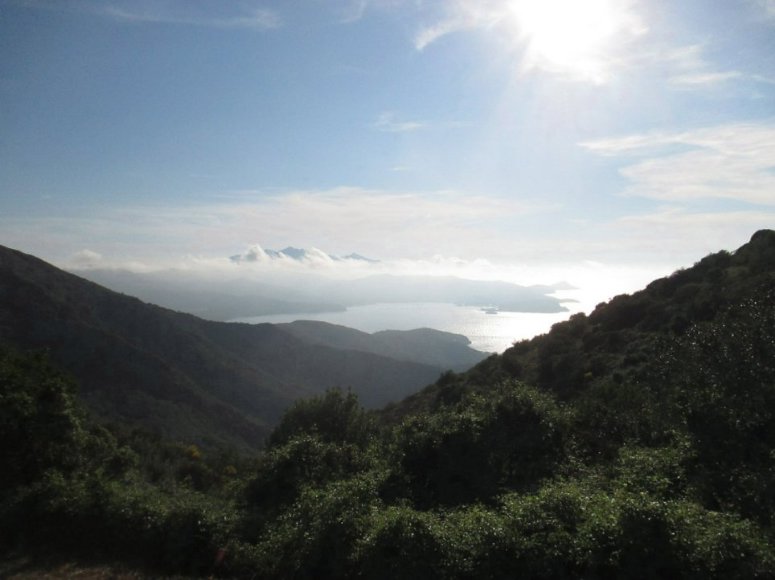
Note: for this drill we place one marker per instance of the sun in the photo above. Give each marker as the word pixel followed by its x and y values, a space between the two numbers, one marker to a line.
pixel 570 36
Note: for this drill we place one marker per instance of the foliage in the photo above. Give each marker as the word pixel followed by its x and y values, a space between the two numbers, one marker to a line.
pixel 511 438
pixel 724 377
pixel 305 461
pixel 334 417
pixel 315 536
pixel 637 442
pixel 41 426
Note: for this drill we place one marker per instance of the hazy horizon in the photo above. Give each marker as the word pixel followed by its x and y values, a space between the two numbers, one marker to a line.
pixel 601 143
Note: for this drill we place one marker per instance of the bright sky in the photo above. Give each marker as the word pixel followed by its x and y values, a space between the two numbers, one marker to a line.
pixel 521 136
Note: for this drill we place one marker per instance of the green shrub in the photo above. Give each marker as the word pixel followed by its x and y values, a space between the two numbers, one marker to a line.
pixel 334 417
pixel 512 438
pixel 315 537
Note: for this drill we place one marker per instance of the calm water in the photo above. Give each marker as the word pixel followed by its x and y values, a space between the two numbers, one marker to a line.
pixel 487 332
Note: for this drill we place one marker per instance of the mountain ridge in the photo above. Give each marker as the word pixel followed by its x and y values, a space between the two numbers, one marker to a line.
pixel 444 349
pixel 188 378
pixel 615 341
pixel 644 449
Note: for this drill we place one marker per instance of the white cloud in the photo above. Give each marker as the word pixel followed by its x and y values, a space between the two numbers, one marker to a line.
pixel 353 10
pixel 87 259
pixel 677 223
pixel 435 233
pixel 627 46
pixel 432 33
pixel 704 79
pixel 191 14
pixel 459 15
pixel 569 38
pixel 253 254
pixel 763 79
pixel 616 146
pixel 688 69
pixel 735 161
pixel 679 236
pixel 303 257
pixel 377 224
pixel 390 122
pixel 768 6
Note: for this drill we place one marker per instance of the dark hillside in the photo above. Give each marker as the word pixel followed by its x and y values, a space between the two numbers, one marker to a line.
pixel 619 337
pixel 187 378
pixel 444 350
pixel 647 450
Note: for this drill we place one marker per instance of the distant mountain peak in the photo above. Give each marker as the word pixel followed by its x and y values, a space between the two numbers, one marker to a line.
pixel 355 256
pixel 256 253
pixel 291 252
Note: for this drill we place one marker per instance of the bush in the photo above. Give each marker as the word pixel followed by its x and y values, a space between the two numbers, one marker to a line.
pixel 510 439
pixel 303 461
pixel 41 425
pixel 316 536
pixel 404 543
pixel 334 417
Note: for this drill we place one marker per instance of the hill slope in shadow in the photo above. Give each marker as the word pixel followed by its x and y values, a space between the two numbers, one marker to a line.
pixel 188 378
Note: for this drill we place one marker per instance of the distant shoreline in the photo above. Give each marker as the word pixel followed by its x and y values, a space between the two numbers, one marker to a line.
pixel 487 333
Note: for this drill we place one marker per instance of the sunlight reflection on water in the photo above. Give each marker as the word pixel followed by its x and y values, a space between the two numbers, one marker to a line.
pixel 487 332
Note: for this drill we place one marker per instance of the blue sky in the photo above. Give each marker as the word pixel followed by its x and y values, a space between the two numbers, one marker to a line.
pixel 517 135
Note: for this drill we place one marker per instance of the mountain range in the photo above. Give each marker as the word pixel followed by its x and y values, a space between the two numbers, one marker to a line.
pixel 203 381
pixel 212 382
pixel 635 441
pixel 258 254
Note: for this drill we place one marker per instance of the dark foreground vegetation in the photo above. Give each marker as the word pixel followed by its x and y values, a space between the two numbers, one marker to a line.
pixel 636 442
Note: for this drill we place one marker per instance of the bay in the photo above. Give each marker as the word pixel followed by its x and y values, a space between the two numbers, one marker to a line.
pixel 487 332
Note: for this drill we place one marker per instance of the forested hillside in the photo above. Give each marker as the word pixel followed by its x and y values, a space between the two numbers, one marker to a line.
pixel 636 442
pixel 620 339
pixel 195 380
pixel 424 345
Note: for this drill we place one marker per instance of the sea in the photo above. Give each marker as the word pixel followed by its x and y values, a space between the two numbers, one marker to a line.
pixel 488 332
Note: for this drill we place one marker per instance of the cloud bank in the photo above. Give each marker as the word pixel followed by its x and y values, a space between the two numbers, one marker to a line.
pixel 437 233
pixel 734 161
pixel 374 223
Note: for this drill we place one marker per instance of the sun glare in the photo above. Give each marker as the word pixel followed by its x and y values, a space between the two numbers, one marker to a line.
pixel 571 36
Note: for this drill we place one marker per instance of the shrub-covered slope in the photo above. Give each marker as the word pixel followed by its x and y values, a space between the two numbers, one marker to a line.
pixel 620 338
pixel 658 467
pixel 185 377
